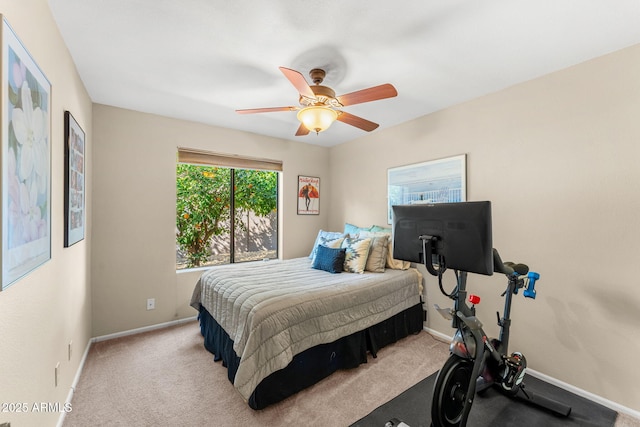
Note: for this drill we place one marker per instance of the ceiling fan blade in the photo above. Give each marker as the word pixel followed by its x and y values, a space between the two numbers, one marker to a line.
pixel 298 81
pixel 265 110
pixel 366 95
pixel 356 121
pixel 302 130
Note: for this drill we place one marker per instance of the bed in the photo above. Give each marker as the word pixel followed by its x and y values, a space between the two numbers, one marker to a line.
pixel 281 326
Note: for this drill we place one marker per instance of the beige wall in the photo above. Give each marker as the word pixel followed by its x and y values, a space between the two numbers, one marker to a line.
pixel 558 158
pixel 134 188
pixel 51 306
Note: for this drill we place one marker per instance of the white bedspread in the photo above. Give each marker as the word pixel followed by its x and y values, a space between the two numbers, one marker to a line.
pixel 276 309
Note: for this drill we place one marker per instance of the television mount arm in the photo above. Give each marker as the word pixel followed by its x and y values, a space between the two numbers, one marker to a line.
pixel 427 252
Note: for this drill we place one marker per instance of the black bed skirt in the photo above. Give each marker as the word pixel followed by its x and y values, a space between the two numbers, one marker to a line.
pixel 316 363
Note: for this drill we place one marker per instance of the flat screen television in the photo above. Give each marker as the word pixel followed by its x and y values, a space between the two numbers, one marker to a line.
pixel 456 235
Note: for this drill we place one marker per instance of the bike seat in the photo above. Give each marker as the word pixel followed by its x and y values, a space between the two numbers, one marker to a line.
pixel 507 268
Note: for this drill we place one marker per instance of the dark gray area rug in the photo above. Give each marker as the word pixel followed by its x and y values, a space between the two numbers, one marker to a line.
pixel 494 409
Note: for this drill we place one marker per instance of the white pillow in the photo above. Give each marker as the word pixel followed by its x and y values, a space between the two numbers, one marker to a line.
pixel 357 252
pixel 323 238
pixel 377 259
pixel 392 263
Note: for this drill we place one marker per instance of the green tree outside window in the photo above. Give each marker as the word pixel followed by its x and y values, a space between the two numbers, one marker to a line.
pixel 203 205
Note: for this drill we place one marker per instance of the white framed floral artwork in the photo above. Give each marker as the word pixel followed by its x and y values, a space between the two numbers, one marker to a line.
pixel 26 160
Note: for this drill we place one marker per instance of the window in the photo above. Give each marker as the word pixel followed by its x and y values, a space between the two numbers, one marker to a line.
pixel 224 214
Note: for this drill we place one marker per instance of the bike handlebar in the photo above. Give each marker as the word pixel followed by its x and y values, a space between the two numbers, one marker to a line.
pixel 508 268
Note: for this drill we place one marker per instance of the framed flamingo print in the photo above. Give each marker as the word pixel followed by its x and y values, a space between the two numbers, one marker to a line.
pixel 26 160
pixel 308 195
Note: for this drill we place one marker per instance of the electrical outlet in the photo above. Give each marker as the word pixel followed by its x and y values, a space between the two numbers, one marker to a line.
pixel 57 372
pixel 69 352
pixel 151 304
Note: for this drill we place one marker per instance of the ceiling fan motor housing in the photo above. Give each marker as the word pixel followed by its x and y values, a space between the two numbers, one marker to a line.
pixel 324 95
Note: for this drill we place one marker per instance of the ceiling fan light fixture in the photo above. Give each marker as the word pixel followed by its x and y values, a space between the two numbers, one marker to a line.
pixel 317 118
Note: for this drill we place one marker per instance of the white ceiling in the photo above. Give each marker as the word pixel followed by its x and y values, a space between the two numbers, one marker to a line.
pixel 201 60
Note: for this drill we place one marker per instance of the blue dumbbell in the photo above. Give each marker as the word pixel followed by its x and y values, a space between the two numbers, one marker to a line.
pixel 530 292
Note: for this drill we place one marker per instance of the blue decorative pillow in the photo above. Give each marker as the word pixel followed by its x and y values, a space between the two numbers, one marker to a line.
pixel 354 229
pixel 329 259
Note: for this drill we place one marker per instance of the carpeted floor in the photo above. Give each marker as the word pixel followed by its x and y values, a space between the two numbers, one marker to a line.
pixel 166 377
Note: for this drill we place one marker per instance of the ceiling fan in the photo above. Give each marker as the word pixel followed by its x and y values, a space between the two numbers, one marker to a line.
pixel 320 105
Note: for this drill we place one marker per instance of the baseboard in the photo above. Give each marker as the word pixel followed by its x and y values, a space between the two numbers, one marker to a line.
pixel 438 335
pixel 143 329
pixel 108 337
pixel 586 394
pixel 74 384
pixel 565 386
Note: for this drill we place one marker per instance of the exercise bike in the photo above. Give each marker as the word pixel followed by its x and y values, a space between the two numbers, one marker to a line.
pixel 478 362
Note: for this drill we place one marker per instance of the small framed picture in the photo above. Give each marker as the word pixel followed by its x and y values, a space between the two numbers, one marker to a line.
pixel 74 186
pixel 308 195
